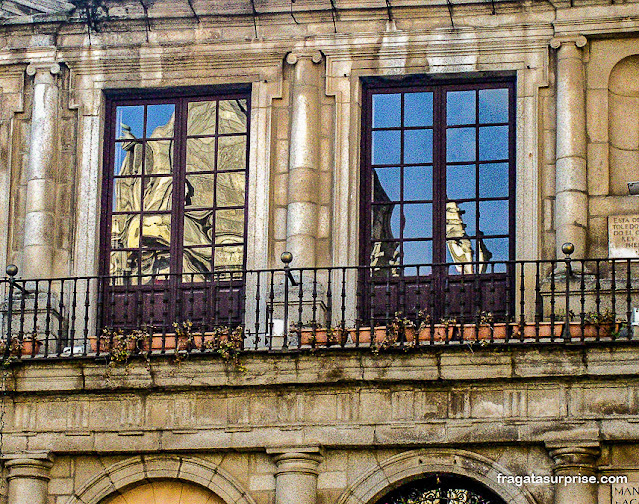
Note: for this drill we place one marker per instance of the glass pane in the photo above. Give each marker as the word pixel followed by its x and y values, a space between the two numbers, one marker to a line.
pixel 384 254
pixel 233 116
pixel 126 194
pixel 493 180
pixel 459 251
pixel 387 110
pixel 156 231
pixel 418 183
pixel 386 184
pixel 159 157
pixel 200 154
pixel 123 263
pixel 418 146
pixel 418 109
pixel 231 189
pixel 495 249
pixel 418 220
pixel 128 158
pixel 159 120
pixel 199 190
pixel 157 193
pixel 125 231
pixel 385 222
pixel 386 147
pixel 493 217
pixel 229 226
pixel 460 219
pixel 129 122
pixel 493 105
pixel 460 181
pixel 201 119
pixel 460 107
pixel 196 260
pixel 230 257
pixel 198 227
pixel 232 154
pixel 155 262
pixel 460 145
pixel 493 143
pixel 418 252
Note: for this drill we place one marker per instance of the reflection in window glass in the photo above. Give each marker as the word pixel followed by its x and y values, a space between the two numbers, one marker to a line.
pixel 386 147
pixel 157 193
pixel 125 231
pixel 493 143
pixel 385 225
pixel 498 248
pixel 493 217
pixel 493 180
pixel 229 226
pixel 460 145
pixel 418 252
pixel 387 110
pixel 159 120
pixel 128 158
pixel 386 184
pixel 231 153
pixel 159 157
pixel 460 181
pixel 198 228
pixel 230 189
pixel 384 254
pixel 202 117
pixel 154 262
pixel 199 190
pixel 493 105
pixel 196 260
pixel 229 257
pixel 418 109
pixel 129 122
pixel 460 219
pixel 123 263
pixel 232 116
pixel 418 183
pixel 418 220
pixel 156 231
pixel 460 107
pixel 126 194
pixel 200 154
pixel 418 146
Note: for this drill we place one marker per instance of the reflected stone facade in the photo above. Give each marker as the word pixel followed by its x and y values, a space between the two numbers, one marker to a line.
pixel 167 141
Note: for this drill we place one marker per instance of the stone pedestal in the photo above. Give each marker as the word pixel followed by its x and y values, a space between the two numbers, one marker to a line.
pixel 296 474
pixel 571 198
pixel 39 224
pixel 28 477
pixel 575 461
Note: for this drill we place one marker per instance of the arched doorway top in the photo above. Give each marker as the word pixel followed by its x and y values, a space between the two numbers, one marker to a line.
pixel 624 77
pixel 115 479
pixel 395 471
pixel 166 492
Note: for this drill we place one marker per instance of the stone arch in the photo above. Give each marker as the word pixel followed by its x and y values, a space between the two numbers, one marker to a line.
pixel 147 468
pixel 623 123
pixel 395 471
pixel 163 491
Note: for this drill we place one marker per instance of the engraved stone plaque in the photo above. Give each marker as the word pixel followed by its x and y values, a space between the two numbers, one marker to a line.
pixel 626 493
pixel 623 235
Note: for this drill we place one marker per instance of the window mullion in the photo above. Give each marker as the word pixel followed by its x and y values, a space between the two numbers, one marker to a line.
pixel 179 181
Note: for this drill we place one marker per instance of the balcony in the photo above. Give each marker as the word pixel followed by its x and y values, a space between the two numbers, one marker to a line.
pixel 564 302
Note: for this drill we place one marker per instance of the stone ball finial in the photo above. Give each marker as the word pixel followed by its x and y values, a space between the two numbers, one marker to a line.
pixel 286 257
pixel 568 248
pixel 12 270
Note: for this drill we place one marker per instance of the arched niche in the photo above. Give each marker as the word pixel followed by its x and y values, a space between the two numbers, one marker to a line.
pixel 623 123
pixel 165 492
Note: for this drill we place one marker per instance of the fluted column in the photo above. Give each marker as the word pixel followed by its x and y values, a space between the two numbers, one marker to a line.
pixel 575 464
pixel 296 474
pixel 571 182
pixel 28 477
pixel 304 164
pixel 39 226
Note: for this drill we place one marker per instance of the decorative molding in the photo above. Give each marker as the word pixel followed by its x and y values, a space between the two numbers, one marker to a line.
pixel 293 57
pixel 579 40
pixel 34 465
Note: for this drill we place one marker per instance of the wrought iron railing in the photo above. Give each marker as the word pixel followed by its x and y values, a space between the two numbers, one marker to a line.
pixel 545 301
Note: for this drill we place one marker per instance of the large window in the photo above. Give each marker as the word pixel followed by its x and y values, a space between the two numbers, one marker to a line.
pixel 175 184
pixel 437 180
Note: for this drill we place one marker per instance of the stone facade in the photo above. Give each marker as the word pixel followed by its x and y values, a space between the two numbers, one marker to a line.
pixel 332 426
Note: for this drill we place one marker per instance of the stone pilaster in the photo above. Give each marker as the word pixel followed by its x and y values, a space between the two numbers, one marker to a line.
pixel 304 158
pixel 40 222
pixel 571 198
pixel 575 461
pixel 28 477
pixel 296 474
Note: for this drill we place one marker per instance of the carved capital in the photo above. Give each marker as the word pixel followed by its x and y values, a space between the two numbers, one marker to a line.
pixel 294 56
pixel 53 68
pixel 35 465
pixel 576 40
pixel 299 459
pixel 574 459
